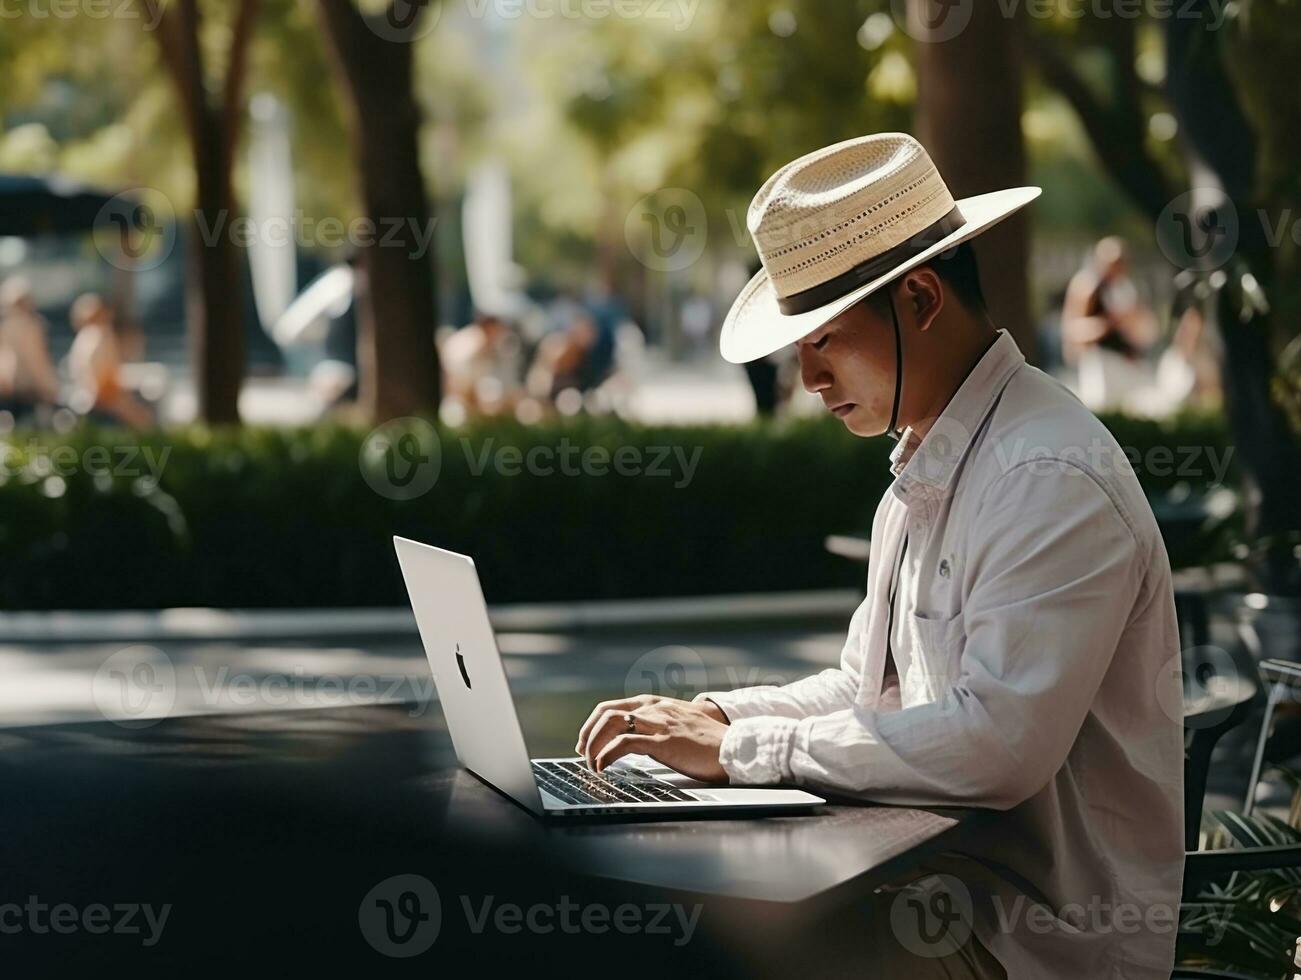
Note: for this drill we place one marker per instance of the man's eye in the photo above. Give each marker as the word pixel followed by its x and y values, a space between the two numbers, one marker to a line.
pixel 821 342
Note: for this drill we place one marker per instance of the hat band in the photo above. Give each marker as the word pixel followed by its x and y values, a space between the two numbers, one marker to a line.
pixel 845 283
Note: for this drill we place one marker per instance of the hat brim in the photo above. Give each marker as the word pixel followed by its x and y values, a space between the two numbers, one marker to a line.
pixel 756 327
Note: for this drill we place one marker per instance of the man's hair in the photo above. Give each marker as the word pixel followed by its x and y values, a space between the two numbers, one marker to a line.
pixel 957 269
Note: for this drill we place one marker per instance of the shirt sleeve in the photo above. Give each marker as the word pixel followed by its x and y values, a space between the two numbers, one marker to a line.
pixel 820 694
pixel 1051 580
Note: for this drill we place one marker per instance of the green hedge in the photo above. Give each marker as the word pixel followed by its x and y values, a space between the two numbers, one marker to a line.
pixel 266 518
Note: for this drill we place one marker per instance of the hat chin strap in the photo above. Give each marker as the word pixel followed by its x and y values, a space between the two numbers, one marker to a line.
pixel 892 430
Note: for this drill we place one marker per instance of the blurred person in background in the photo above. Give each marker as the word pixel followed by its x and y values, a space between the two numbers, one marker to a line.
pixel 608 312
pixel 95 366
pixel 577 355
pixel 1107 329
pixel 561 361
pixel 481 365
pixel 1188 373
pixel 27 375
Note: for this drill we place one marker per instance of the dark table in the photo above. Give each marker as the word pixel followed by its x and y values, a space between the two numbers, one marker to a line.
pixel 303 839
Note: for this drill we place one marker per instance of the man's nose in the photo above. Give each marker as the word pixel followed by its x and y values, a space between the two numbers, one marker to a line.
pixel 813 372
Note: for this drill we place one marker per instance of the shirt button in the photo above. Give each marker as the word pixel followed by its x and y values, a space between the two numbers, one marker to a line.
pixel 944 568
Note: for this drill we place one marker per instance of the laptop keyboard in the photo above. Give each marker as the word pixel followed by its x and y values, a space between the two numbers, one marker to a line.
pixel 573 782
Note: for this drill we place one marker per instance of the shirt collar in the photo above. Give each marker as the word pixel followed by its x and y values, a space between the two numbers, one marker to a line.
pixel 929 463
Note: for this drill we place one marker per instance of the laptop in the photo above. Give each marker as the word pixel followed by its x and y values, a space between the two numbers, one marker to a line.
pixel 472 688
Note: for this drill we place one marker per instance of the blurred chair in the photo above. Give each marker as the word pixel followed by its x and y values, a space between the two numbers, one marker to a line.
pixel 1218 706
pixel 1203 726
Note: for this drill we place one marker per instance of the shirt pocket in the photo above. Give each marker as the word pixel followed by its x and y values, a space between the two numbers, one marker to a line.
pixel 937 652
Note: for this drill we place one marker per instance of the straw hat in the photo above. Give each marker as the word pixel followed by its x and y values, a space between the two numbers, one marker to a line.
pixel 838 224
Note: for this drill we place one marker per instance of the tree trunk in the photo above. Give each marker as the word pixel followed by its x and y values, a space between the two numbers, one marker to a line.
pixel 398 334
pixel 969 117
pixel 214 300
pixel 396 357
pixel 215 285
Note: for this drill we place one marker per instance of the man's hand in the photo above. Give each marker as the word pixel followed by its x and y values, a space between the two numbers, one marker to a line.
pixel 683 735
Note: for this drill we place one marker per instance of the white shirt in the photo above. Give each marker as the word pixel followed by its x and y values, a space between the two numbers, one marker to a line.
pixel 1037 655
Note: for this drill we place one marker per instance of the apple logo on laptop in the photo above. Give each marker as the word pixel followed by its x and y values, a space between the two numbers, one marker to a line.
pixel 460 662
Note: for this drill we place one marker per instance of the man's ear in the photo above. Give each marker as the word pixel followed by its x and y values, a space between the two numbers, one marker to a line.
pixel 923 291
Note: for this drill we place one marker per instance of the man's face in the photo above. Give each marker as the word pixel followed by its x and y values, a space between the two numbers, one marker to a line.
pixel 850 364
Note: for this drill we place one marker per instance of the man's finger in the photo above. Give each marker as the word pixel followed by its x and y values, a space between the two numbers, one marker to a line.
pixel 622 704
pixel 627 744
pixel 610 724
pixel 614 723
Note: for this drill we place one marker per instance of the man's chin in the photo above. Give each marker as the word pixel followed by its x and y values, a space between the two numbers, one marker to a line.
pixel 863 428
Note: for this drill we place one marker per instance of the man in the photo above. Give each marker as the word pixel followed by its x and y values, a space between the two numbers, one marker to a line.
pixel 27 375
pixel 1017 649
